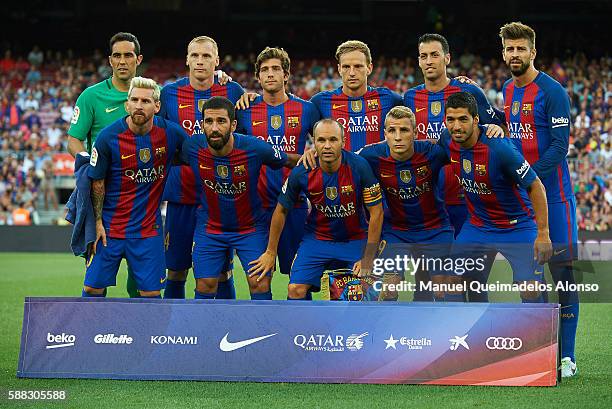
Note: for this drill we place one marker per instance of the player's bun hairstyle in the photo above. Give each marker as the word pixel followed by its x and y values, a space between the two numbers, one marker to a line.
pixel 273 52
pixel 125 37
pixel 462 100
pixel 517 31
pixel 354 45
pixel 220 103
pixel 202 39
pixel 429 37
pixel 328 121
pixel 400 112
pixel 146 83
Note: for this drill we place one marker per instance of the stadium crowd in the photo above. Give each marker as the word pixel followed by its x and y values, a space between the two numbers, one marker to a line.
pixel 37 95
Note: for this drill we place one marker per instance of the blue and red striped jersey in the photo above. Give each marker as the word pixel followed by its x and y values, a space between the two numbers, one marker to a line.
pixel 286 127
pixel 410 187
pixel 337 198
pixel 226 186
pixel 538 117
pixel 362 117
pixel 428 108
pixel 494 176
pixel 135 169
pixel 181 103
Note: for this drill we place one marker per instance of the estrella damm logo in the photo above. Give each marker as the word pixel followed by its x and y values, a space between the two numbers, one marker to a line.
pixel 372 104
pixel 481 170
pixel 293 121
pixel 331 192
pixel 436 108
pixel 467 165
pixel 144 155
pixel 222 171
pixel 356 106
pixel 527 108
pixel 405 175
pixel 239 170
pixel 515 107
pixel 276 121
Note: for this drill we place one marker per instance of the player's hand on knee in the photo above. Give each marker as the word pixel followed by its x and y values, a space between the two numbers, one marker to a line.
pixel 100 235
pixel 264 264
pixel 308 159
pixel 360 269
pixel 494 131
pixel 244 102
pixel 542 248
pixel 223 77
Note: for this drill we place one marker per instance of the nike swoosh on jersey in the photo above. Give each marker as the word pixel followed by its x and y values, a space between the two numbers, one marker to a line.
pixel 204 167
pixel 163 280
pixel 127 156
pixel 420 109
pixel 227 346
pixel 506 106
pixel 109 110
pixel 181 106
pixel 334 106
pixel 384 175
pixel 255 123
pixel 454 161
pixel 316 193
pixel 556 253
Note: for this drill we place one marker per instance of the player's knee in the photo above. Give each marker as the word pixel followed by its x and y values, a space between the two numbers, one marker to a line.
pixel 297 291
pixel 531 294
pixel 92 290
pixel 259 286
pixel 180 275
pixel 223 277
pixel 149 294
pixel 206 285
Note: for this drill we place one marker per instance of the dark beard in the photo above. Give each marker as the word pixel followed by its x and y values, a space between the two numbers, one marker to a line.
pixel 218 145
pixel 522 69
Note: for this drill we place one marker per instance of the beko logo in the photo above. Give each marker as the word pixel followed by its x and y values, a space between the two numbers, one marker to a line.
pixel 60 341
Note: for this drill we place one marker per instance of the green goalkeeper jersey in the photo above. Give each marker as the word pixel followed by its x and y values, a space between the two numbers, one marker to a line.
pixel 97 107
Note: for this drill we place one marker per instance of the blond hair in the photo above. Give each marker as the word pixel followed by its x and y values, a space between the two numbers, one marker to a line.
pixel 354 45
pixel 400 112
pixel 146 83
pixel 201 39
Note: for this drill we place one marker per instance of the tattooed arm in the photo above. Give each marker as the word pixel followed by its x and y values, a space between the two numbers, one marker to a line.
pixel 97 201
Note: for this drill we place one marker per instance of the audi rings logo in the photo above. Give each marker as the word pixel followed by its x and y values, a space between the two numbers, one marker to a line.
pixel 504 344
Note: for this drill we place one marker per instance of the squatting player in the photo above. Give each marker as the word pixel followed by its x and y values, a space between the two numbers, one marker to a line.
pixel 408 172
pixel 538 114
pixel 181 102
pixel 129 163
pixel 230 215
pixel 104 103
pixel 284 121
pixel 503 194
pixel 337 235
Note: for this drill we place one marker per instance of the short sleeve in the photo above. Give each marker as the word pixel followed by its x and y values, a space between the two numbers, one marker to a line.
pixel 372 194
pixel 100 158
pixel 514 164
pixel 82 117
pixel 269 155
pixel 291 190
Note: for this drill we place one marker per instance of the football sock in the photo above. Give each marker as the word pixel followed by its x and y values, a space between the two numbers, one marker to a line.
pixel 226 289
pixel 261 296
pixel 569 309
pixel 204 296
pixel 174 289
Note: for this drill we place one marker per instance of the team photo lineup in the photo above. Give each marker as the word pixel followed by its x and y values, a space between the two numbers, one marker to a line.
pixel 354 175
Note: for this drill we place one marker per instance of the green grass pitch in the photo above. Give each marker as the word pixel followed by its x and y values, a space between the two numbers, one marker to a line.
pixel 35 274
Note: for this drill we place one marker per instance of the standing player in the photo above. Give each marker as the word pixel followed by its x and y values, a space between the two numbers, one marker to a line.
pixel 129 164
pixel 538 113
pixel 284 121
pixel 181 102
pixel 104 103
pixel 339 189
pixel 408 172
pixel 230 215
pixel 427 101
pixel 502 194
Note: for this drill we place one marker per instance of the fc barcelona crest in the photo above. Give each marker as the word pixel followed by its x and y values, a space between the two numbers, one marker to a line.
pixel 144 155
pixel 201 104
pixel 515 107
pixel 161 151
pixel 239 170
pixel 372 104
pixel 276 121
pixel 405 176
pixel 222 171
pixel 481 170
pixel 293 121
pixel 467 165
pixel 331 192
pixel 421 171
pixel 346 190
pixel 527 108
pixel 356 106
pixel 436 108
